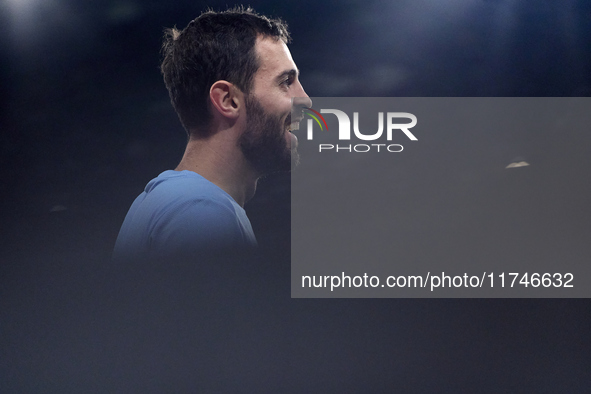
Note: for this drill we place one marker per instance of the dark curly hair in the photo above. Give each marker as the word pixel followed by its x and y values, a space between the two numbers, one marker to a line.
pixel 214 46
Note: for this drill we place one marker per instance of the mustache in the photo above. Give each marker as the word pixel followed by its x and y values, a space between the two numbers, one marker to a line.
pixel 299 115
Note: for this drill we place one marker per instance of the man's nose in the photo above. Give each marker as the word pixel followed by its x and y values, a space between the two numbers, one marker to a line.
pixel 299 103
pixel 302 99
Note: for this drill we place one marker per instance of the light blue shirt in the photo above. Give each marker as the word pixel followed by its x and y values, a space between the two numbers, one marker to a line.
pixel 181 212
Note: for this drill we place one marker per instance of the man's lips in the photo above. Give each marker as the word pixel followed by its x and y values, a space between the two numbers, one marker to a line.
pixel 295 123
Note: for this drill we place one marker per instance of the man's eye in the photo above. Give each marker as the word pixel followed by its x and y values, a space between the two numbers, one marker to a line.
pixel 287 81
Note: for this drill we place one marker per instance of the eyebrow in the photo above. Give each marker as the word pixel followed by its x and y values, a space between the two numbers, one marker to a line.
pixel 287 73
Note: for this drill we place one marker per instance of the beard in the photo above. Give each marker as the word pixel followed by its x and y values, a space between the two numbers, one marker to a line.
pixel 263 142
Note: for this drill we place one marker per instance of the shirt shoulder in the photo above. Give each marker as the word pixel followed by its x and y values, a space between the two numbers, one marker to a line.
pixel 182 212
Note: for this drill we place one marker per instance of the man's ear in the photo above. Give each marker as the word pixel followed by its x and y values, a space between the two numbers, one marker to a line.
pixel 226 98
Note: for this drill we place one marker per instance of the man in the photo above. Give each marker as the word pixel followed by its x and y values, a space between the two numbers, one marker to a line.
pixel 231 80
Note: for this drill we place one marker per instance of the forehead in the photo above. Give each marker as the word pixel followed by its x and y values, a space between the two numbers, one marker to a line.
pixel 274 58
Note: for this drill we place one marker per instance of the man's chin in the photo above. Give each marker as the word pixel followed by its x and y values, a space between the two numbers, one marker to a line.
pixel 292 146
pixel 295 159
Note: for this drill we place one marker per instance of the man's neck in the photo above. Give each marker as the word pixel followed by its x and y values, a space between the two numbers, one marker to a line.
pixel 222 163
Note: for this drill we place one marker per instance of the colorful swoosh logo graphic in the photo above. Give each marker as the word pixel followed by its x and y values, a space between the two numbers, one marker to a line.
pixel 316 118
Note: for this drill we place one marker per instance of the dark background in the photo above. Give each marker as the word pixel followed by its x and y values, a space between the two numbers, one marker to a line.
pixel 86 124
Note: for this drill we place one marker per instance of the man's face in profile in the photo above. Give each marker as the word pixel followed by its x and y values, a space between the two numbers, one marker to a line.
pixel 267 141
